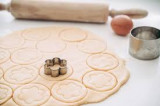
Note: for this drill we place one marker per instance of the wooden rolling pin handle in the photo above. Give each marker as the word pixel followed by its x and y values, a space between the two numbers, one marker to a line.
pixel 132 13
pixel 4 6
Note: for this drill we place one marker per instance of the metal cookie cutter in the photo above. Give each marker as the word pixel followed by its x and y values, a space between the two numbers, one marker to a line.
pixel 145 43
pixel 55 67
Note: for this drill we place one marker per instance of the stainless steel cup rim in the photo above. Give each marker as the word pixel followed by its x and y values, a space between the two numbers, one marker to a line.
pixel 132 34
pixel 144 42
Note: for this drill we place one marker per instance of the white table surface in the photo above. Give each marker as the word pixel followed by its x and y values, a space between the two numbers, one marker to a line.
pixel 143 87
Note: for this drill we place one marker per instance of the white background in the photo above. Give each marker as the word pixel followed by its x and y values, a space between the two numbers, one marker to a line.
pixel 143 87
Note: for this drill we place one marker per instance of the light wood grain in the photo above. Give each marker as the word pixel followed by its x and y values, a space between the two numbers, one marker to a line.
pixel 132 13
pixel 62 11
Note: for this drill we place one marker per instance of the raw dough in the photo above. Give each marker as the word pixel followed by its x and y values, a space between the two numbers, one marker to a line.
pixel 4 55
pixel 92 46
pixel 13 40
pixel 69 91
pixel 73 35
pixel 93 72
pixel 102 61
pixel 5 93
pixel 34 35
pixel 1 73
pixel 26 56
pixel 31 94
pixel 51 46
pixel 61 77
pixel 99 80
pixel 21 74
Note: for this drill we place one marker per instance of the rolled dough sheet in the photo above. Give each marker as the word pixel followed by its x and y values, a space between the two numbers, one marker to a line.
pixel 93 72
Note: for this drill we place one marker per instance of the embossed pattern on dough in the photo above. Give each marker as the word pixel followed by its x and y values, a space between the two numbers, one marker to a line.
pixel 92 46
pixel 93 72
pixel 31 94
pixel 59 78
pixel 51 46
pixel 5 93
pixel 21 74
pixel 73 35
pixel 26 56
pixel 13 40
pixel 99 80
pixel 4 55
pixel 102 61
pixel 69 91
pixel 35 35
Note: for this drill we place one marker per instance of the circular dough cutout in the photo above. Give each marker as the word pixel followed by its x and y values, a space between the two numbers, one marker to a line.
pixel 26 56
pixel 69 91
pixel 99 80
pixel 5 93
pixel 59 78
pixel 21 74
pixel 73 35
pixel 51 46
pixel 4 55
pixel 31 95
pixel 36 34
pixel 1 73
pixel 102 61
pixel 13 40
pixel 91 46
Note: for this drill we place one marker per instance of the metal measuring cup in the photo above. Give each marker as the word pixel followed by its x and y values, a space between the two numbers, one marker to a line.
pixel 145 43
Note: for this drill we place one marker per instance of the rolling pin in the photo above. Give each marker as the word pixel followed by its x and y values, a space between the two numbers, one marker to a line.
pixel 64 10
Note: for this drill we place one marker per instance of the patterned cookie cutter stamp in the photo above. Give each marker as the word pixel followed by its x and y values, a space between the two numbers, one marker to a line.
pixel 55 67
